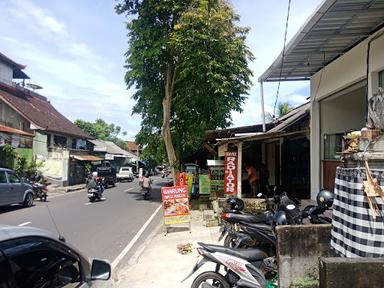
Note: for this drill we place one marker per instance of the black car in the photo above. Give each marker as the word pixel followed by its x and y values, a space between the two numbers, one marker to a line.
pixel 35 258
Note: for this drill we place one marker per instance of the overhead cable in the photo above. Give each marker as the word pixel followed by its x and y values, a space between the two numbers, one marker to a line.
pixel 282 59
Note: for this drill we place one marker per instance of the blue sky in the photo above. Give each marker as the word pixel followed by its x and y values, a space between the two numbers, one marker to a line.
pixel 75 51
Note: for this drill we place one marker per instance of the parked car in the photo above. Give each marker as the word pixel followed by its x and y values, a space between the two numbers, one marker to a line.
pixel 32 257
pixel 14 190
pixel 125 173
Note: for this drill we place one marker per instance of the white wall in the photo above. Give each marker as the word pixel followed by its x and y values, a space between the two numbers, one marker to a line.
pixel 40 148
pixel 346 112
pixel 342 114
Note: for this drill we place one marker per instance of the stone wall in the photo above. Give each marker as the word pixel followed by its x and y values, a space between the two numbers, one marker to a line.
pixel 338 272
pixel 298 248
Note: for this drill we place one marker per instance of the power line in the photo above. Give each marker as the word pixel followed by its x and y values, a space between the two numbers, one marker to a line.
pixel 282 58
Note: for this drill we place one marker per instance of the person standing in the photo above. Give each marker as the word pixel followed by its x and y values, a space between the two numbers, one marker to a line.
pixel 264 176
pixel 253 179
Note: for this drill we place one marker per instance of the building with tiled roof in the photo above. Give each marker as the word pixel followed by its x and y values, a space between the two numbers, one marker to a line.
pixel 33 126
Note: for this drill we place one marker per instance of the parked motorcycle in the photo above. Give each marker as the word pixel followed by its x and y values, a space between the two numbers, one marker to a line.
pixel 234 216
pixel 242 267
pixel 262 236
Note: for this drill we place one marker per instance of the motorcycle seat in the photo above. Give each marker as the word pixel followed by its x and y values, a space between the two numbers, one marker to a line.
pixel 249 218
pixel 260 226
pixel 251 255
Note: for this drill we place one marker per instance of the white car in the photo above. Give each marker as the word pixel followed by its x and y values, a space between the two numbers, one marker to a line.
pixel 125 173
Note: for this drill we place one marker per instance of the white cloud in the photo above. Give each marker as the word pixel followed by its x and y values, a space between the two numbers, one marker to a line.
pixel 33 14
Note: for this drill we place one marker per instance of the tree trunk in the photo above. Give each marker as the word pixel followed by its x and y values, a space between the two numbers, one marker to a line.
pixel 166 131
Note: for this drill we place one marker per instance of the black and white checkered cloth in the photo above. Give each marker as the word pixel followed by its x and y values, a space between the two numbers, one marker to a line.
pixel 354 231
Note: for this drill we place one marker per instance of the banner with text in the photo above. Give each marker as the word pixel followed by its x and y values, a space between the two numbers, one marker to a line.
pixel 230 173
pixel 175 204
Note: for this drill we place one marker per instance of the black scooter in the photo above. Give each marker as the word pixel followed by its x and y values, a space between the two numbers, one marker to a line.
pixel 96 193
pixel 39 191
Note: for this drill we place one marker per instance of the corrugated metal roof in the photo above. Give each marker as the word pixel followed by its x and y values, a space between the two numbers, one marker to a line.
pixel 110 148
pixel 294 116
pixel 278 131
pixel 334 28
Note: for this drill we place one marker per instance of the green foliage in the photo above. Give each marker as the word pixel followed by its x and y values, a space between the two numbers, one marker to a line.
pixel 19 163
pixel 154 150
pixel 282 109
pixel 305 282
pixel 205 49
pixel 99 129
pixel 87 168
pixel 103 131
pixel 9 155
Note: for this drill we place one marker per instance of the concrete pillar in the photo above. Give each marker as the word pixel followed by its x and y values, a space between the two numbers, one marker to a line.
pixel 315 149
pixel 298 250
pixel 262 106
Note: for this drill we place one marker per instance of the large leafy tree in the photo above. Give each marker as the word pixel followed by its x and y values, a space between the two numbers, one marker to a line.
pixel 188 61
pixel 102 130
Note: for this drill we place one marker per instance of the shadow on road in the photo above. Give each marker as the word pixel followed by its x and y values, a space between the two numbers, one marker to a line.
pixel 155 192
pixel 11 208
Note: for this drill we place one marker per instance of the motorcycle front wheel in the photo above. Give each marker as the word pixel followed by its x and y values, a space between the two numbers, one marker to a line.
pixel 210 279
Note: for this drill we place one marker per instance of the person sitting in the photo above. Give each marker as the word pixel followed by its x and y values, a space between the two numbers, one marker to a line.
pixel 93 184
pixel 147 182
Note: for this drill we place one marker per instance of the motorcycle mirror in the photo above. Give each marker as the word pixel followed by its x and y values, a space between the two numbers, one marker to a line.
pixel 290 206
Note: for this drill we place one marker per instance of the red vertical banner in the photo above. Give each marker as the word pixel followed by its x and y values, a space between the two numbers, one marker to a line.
pixel 230 173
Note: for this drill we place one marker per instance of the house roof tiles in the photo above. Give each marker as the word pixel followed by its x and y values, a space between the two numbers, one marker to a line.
pixel 39 111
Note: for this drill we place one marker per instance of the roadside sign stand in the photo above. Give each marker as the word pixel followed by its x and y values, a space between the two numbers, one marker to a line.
pixel 166 226
pixel 175 206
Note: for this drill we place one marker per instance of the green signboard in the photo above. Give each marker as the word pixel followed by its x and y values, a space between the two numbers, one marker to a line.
pixel 204 184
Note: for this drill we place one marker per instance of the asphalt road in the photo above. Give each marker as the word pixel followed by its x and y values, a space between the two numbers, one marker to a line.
pixel 100 229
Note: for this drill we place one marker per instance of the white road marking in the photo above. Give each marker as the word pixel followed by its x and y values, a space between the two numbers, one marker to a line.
pixel 133 241
pixel 24 224
pixel 126 190
pixel 88 203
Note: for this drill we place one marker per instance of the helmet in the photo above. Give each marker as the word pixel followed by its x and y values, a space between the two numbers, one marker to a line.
pixel 325 199
pixel 94 174
pixel 235 204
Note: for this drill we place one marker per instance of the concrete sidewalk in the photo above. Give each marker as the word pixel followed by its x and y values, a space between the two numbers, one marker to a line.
pixel 54 190
pixel 159 264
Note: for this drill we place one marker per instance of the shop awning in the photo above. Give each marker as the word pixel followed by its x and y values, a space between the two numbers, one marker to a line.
pixel 332 30
pixel 10 130
pixel 279 130
pixel 87 157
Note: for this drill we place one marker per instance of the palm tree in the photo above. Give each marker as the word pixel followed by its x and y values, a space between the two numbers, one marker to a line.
pixel 282 109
